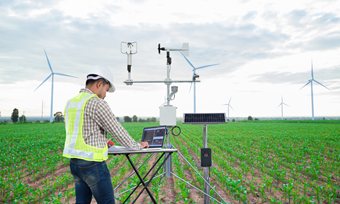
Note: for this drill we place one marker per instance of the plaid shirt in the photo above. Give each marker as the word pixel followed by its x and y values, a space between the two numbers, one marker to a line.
pixel 99 120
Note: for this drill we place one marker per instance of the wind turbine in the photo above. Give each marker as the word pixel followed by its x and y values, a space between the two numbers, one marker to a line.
pixel 281 104
pixel 52 74
pixel 228 104
pixel 195 76
pixel 311 83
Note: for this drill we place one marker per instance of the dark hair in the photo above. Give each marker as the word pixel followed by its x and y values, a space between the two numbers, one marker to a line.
pixel 90 82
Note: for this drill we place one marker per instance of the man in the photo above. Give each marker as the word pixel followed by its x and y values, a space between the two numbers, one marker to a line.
pixel 88 119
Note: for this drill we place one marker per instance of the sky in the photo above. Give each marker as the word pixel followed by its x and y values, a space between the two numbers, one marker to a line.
pixel 265 50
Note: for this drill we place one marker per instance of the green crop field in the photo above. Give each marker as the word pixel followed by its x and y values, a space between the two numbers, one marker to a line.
pixel 255 162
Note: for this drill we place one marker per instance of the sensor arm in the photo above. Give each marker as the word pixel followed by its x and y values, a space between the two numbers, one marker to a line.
pixel 167 81
pixel 130 82
pixel 129 56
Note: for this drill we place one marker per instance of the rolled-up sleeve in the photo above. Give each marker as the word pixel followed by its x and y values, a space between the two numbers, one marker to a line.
pixel 110 124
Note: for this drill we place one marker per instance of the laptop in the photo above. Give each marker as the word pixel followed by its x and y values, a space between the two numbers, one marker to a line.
pixel 154 136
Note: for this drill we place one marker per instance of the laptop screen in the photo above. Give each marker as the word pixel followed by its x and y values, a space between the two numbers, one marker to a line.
pixel 154 136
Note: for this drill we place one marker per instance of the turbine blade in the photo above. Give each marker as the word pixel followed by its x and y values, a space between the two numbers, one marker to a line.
pixel 286 104
pixel 321 84
pixel 43 81
pixel 190 86
pixel 229 100
pixel 231 107
pixel 312 68
pixel 65 75
pixel 187 60
pixel 279 105
pixel 306 84
pixel 206 66
pixel 48 61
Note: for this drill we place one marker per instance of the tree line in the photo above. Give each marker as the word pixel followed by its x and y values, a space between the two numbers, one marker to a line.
pixel 58 117
pixel 135 119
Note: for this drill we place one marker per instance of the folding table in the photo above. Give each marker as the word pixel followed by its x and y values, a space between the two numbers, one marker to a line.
pixel 128 151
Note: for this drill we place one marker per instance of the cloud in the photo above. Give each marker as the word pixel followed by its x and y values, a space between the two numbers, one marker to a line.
pixel 321 76
pixel 295 17
pixel 327 42
pixel 249 15
pixel 310 30
pixel 74 45
pixel 324 18
pixel 138 1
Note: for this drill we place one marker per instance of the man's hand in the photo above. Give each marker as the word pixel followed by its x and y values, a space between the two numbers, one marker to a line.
pixel 110 143
pixel 144 145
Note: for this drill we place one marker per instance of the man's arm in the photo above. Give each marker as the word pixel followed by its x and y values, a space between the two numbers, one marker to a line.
pixel 109 123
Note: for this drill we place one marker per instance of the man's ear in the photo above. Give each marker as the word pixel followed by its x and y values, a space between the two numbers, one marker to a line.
pixel 99 84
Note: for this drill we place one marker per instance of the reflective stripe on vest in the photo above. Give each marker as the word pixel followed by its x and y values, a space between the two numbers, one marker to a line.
pixel 75 146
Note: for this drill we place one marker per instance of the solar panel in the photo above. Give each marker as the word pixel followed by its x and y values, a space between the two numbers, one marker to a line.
pixel 204 118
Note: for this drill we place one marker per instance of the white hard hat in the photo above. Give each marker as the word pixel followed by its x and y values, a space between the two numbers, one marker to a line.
pixel 105 73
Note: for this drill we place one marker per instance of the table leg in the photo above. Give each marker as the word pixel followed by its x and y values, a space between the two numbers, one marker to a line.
pixel 142 180
pixel 167 156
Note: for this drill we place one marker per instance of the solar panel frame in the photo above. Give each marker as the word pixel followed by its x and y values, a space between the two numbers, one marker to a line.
pixel 204 118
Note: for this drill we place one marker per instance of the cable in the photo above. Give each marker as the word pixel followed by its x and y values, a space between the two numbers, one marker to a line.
pixel 175 130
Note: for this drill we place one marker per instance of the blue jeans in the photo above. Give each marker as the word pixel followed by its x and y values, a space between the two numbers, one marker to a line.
pixel 92 178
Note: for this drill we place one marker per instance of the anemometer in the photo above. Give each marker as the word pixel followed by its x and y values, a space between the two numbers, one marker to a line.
pixel 129 54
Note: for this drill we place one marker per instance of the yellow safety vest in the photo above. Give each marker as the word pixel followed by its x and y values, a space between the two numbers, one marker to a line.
pixel 75 146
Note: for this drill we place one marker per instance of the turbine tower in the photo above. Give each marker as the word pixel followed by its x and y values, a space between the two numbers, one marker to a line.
pixel 228 104
pixel 311 83
pixel 281 104
pixel 52 74
pixel 195 76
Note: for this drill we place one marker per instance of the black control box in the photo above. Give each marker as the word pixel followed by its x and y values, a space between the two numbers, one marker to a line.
pixel 205 157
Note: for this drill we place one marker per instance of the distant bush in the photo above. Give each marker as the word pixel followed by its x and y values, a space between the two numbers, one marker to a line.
pixel 22 118
pixel 127 119
pixel 134 118
pixel 141 120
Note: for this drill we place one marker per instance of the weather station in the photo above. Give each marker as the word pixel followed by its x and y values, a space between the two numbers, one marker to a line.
pixel 167 115
pixel 167 112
